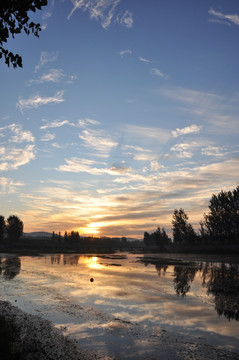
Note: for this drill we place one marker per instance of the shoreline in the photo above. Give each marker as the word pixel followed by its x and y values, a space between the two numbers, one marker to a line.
pixel 37 338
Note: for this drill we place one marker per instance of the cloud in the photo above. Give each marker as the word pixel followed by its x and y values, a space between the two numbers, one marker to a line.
pixel 126 19
pixel 155 166
pixel 79 165
pixel 187 130
pixel 9 186
pixel 45 58
pixel 127 51
pixel 20 135
pixel 48 137
pixel 158 72
pixel 144 157
pixel 71 79
pixel 36 100
pixel 233 18
pixel 183 150
pixel 217 111
pixel 97 140
pixel 56 145
pixel 56 124
pixel 12 158
pixel 102 10
pixel 136 148
pixel 45 17
pixel 146 136
pixel 212 151
pixel 53 75
pixel 192 97
pixel 144 60
pixel 87 121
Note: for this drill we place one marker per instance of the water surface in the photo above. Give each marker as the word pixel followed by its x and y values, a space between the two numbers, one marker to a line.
pixel 115 303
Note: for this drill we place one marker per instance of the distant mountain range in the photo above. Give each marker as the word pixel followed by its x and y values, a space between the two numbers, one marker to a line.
pixel 38 234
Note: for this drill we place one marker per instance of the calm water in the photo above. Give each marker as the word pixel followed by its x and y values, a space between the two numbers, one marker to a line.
pixel 132 299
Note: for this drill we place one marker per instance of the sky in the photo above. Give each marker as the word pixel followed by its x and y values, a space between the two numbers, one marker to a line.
pixel 123 112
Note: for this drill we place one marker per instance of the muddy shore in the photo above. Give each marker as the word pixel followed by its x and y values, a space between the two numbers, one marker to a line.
pixel 37 339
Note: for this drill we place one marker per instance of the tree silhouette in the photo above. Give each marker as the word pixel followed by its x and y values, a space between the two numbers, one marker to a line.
pixel 13 20
pixel 182 231
pixel 14 227
pixel 222 221
pixel 158 238
pixel 2 227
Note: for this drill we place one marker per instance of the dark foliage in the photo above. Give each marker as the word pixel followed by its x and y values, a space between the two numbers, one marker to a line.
pixel 221 224
pixel 13 20
pixel 2 227
pixel 14 227
pixel 158 239
pixel 183 232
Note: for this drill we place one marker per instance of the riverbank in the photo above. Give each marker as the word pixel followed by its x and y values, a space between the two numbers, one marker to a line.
pixel 30 337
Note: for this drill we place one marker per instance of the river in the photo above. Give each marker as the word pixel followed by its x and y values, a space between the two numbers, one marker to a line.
pixel 130 306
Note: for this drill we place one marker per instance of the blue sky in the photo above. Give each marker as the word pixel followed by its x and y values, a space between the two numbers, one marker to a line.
pixel 122 112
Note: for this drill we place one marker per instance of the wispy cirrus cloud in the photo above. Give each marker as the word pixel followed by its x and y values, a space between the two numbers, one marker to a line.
pixel 157 72
pixel 13 158
pixel 48 137
pixel 144 60
pixel 144 156
pixel 147 135
pixel 53 75
pixel 126 51
pixel 138 153
pixel 87 121
pixel 193 97
pixel 9 186
pixel 78 165
pixel 135 147
pixel 98 140
pixel 19 134
pixel 56 124
pixel 187 130
pixel 45 17
pixel 37 100
pixel 183 150
pixel 218 111
pixel 126 19
pixel 45 58
pixel 228 18
pixel 103 11
pixel 213 151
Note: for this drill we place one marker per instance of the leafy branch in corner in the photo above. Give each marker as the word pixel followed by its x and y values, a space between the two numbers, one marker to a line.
pixel 13 20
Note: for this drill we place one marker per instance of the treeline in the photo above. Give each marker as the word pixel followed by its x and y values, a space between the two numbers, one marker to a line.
pixel 220 226
pixel 74 240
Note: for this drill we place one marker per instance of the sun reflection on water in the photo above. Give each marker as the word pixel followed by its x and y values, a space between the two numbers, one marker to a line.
pixel 91 262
